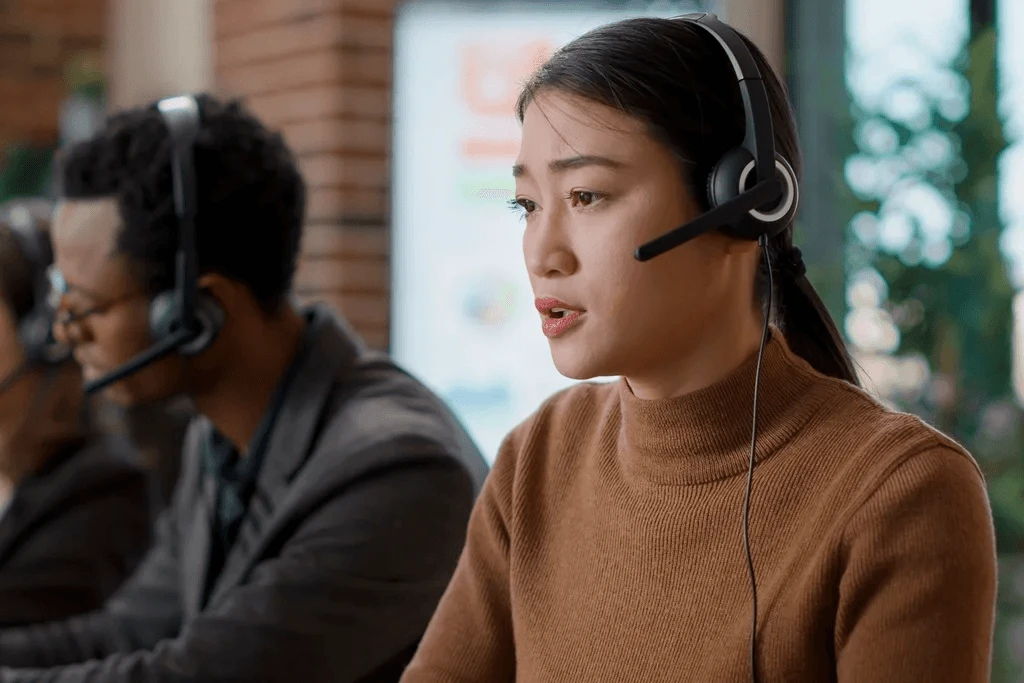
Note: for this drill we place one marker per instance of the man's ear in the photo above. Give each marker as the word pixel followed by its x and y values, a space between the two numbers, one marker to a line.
pixel 224 290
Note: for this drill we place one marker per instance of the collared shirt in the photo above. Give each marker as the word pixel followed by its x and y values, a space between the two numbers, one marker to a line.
pixel 235 477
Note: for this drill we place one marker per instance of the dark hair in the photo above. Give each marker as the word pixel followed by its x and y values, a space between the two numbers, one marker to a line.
pixel 19 275
pixel 679 81
pixel 251 197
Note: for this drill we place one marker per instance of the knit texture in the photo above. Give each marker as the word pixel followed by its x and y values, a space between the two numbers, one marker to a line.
pixel 607 544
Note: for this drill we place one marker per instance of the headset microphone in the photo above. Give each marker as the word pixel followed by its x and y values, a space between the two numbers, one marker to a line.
pixel 729 213
pixel 182 320
pixel 154 353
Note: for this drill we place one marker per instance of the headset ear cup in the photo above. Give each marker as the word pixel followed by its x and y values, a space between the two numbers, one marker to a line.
pixel 163 320
pixel 774 220
pixel 724 179
pixel 758 222
pixel 163 314
pixel 790 184
pixel 210 319
pixel 35 334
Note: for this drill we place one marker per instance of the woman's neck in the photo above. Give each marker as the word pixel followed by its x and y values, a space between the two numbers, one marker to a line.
pixel 724 345
pixel 705 435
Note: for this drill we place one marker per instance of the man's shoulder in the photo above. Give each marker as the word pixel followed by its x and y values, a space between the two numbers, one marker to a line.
pixel 101 460
pixel 379 415
pixel 351 410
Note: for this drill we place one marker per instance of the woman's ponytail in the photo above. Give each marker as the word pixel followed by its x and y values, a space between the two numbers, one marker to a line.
pixel 805 321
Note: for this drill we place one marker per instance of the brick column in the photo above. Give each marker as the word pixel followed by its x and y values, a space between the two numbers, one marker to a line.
pixel 320 71
pixel 38 38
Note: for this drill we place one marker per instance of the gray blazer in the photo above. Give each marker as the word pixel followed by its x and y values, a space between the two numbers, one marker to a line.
pixel 355 528
pixel 73 532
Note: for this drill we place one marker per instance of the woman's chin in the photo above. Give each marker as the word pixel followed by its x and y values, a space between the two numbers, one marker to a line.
pixel 576 364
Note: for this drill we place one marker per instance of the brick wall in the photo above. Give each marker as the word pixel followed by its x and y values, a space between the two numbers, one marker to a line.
pixel 37 40
pixel 320 71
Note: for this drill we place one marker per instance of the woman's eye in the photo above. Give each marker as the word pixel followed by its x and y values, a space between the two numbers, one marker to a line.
pixel 522 205
pixel 584 198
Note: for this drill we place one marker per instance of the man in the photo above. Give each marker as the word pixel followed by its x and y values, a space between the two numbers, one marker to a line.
pixel 324 494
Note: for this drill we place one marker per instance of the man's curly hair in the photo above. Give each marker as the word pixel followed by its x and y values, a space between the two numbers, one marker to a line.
pixel 251 196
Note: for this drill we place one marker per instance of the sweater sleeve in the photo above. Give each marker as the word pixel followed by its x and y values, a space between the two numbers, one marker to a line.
pixel 469 638
pixel 918 591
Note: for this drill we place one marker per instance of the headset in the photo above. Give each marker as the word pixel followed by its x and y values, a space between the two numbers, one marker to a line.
pixel 755 212
pixel 748 212
pixel 184 319
pixel 35 328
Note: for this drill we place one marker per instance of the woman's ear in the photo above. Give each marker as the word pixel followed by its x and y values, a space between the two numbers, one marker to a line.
pixel 735 246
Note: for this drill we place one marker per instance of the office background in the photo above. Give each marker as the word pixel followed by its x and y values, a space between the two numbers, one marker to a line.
pixel 912 222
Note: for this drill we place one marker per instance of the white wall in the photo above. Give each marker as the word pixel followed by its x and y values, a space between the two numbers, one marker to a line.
pixel 158 48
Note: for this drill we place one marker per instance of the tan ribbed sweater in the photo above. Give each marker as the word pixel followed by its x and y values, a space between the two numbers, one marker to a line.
pixel 606 546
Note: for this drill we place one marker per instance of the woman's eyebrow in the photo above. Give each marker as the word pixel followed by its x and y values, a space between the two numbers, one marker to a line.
pixel 570 163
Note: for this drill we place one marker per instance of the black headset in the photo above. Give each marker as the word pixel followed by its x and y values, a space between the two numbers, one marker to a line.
pixel 739 209
pixel 35 328
pixel 183 319
pixel 745 211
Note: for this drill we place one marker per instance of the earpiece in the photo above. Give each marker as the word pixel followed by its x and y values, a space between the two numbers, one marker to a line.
pixel 732 176
pixel 165 320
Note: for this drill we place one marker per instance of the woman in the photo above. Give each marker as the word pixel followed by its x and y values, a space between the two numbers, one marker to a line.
pixel 610 542
pixel 74 512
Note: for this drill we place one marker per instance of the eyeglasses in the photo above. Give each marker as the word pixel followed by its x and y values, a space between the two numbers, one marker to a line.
pixel 59 289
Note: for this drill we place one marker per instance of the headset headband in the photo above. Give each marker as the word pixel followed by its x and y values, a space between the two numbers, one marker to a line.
pixel 759 138
pixel 181 115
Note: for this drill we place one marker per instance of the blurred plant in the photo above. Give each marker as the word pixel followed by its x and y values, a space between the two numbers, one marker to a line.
pixel 926 238
pixel 83 76
pixel 934 236
pixel 25 170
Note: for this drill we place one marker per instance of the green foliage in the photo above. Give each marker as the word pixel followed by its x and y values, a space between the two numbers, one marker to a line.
pixel 25 169
pixel 83 76
pixel 966 325
pixel 24 172
pixel 957 312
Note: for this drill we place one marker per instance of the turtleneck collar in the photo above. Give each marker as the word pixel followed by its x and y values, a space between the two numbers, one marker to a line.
pixel 705 435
